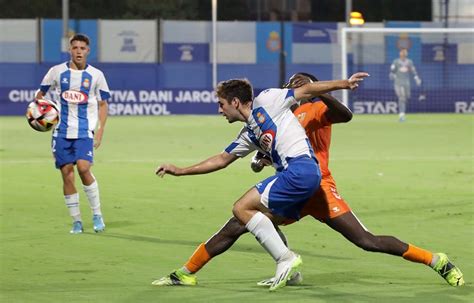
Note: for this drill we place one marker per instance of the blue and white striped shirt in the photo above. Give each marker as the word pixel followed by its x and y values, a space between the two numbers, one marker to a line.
pixel 77 93
pixel 273 129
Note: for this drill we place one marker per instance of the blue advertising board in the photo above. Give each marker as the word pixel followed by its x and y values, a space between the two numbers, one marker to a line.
pixel 51 33
pixel 186 88
pixel 186 52
pixel 411 42
pixel 269 41
pixel 317 32
pixel 435 100
pixel 439 53
pixel 14 101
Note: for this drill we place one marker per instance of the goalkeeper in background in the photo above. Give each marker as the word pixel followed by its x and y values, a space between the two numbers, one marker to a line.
pixel 400 71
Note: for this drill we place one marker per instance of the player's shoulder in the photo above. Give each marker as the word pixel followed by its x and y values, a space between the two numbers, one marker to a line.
pixel 272 94
pixel 312 105
pixel 59 67
pixel 269 91
pixel 93 69
pixel 311 111
pixel 310 108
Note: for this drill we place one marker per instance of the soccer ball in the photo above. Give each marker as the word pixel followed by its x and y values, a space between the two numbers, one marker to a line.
pixel 42 115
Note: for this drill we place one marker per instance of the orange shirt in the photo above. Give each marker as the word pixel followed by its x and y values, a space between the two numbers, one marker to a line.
pixel 318 129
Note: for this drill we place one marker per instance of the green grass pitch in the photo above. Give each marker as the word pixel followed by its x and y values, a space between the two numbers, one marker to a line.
pixel 413 180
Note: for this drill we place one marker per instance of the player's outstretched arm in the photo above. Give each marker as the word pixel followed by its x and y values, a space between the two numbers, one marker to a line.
pixel 209 165
pixel 315 89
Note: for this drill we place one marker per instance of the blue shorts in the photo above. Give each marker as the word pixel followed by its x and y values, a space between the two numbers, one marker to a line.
pixel 286 193
pixel 68 151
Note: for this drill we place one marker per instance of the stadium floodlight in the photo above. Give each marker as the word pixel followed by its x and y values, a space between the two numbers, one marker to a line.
pixel 356 19
pixel 442 57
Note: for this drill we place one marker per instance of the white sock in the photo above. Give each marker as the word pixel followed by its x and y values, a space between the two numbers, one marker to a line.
pixel 72 203
pixel 186 270
pixel 434 260
pixel 265 233
pixel 92 193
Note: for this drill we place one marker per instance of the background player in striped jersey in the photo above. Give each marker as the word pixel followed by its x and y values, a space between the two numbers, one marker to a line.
pixel 81 92
pixel 270 127
pixel 326 205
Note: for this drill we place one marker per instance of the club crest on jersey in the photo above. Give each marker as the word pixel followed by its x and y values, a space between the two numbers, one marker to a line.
pixel 260 118
pixel 335 194
pixel 86 83
pixel 301 117
pixel 73 96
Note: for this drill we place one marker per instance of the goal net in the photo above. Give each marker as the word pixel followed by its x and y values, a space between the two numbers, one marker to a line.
pixel 411 69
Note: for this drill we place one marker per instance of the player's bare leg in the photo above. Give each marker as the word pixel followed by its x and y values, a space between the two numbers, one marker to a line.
pixel 351 228
pixel 216 245
pixel 71 197
pixel 250 211
pixel 91 188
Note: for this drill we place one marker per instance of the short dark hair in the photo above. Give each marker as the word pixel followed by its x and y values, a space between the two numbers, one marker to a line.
pixel 240 88
pixel 311 76
pixel 79 37
pixel 289 84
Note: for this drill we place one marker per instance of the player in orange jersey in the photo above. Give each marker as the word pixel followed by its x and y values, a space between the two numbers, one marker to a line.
pixel 326 205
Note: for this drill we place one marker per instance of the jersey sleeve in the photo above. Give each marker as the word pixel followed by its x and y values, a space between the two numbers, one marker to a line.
pixel 102 89
pixel 290 99
pixel 283 97
pixel 242 145
pixel 48 81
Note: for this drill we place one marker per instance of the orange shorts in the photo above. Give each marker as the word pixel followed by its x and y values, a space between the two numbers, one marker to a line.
pixel 325 204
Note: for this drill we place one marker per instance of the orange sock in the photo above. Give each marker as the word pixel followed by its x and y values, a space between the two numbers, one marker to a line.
pixel 419 255
pixel 199 258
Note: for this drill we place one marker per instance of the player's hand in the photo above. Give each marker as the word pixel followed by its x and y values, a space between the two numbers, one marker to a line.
pixel 98 139
pixel 97 143
pixel 164 169
pixel 355 79
pixel 392 76
pixel 259 161
pixel 417 81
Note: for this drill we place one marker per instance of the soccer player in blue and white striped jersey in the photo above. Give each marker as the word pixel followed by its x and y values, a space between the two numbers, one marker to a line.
pixel 81 93
pixel 271 128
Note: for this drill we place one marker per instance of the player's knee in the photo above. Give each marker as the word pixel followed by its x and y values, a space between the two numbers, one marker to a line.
pixel 67 173
pixel 237 211
pixel 83 170
pixel 241 213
